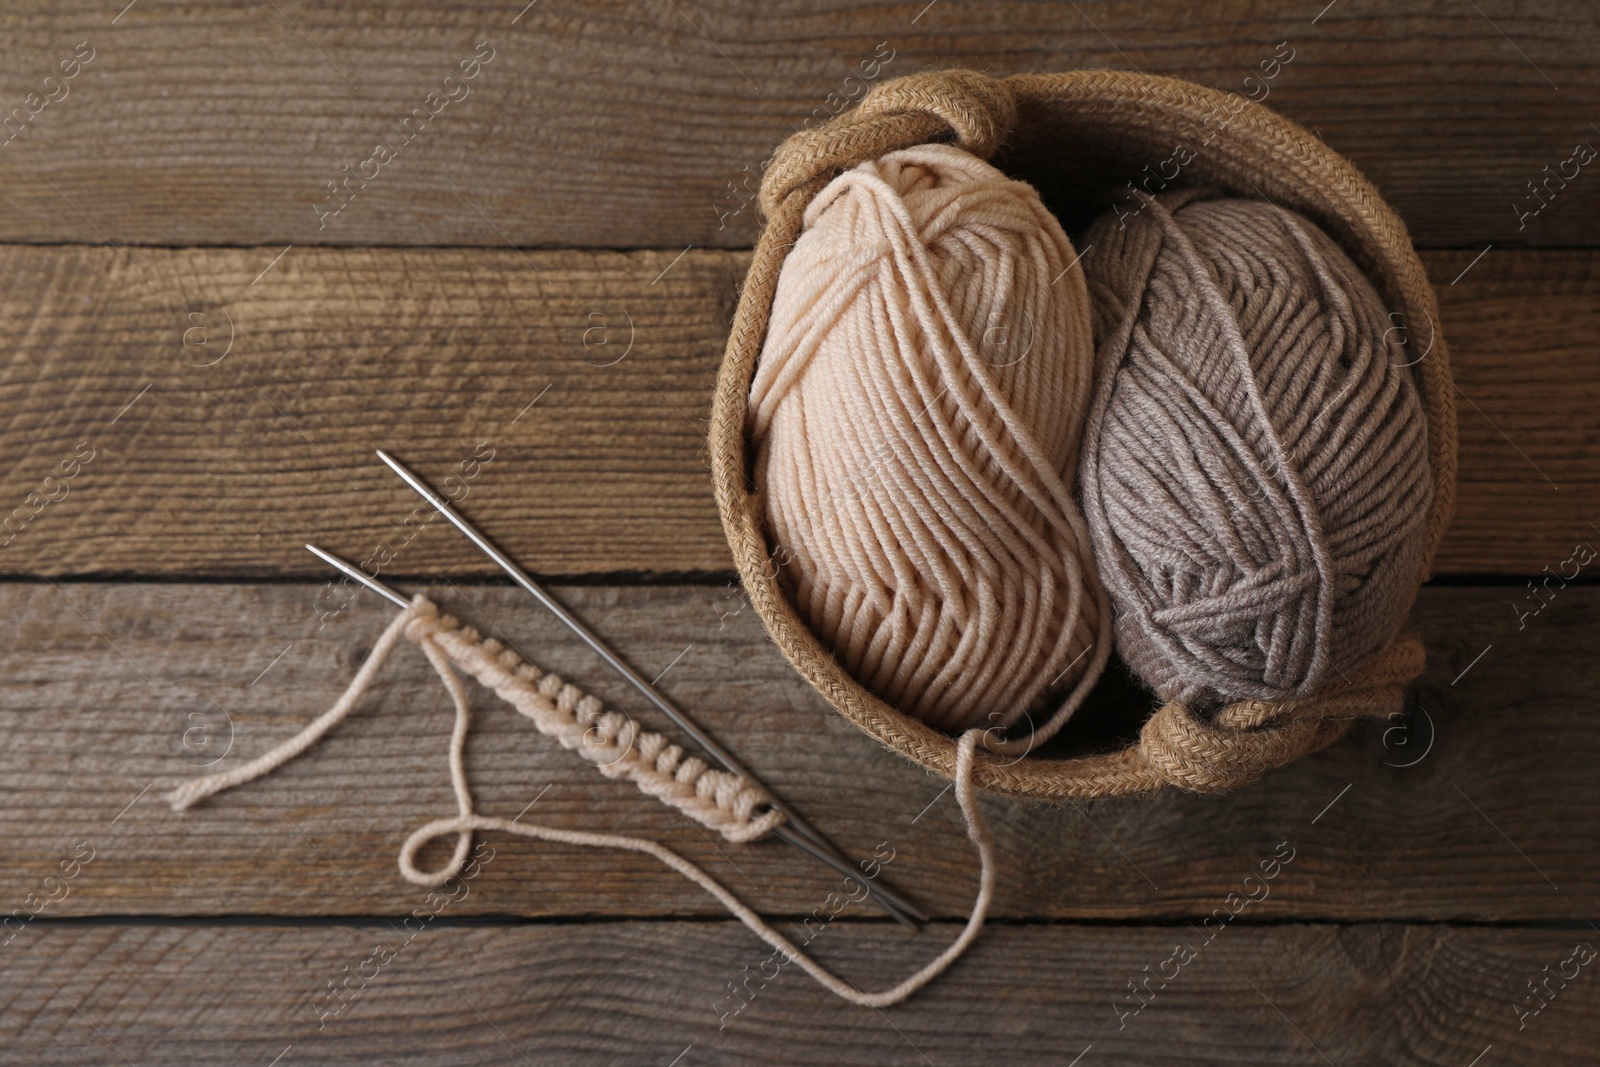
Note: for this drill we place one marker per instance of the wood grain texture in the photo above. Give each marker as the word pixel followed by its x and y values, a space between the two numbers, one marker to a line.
pixel 533 297
pixel 113 687
pixel 657 994
pixel 624 125
pixel 226 469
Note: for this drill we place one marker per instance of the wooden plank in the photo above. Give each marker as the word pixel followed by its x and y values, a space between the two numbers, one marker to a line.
pixel 225 469
pixel 433 354
pixel 649 992
pixel 133 684
pixel 621 126
pixel 1527 406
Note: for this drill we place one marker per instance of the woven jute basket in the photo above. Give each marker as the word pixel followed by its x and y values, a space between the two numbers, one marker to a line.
pixel 1071 132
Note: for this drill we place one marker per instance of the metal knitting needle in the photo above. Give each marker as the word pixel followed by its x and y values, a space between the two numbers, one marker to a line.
pixel 797 832
pixel 359 575
pixel 781 831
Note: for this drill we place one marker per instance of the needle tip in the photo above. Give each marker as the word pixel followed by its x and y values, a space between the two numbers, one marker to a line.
pixel 359 575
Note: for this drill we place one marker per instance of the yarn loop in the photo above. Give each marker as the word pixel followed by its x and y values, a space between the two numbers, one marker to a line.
pixel 1235 745
pixel 970 107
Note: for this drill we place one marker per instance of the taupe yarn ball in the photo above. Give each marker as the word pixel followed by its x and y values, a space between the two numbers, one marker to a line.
pixel 916 413
pixel 1255 467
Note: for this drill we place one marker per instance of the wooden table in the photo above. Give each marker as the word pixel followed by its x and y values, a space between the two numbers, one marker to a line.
pixel 545 272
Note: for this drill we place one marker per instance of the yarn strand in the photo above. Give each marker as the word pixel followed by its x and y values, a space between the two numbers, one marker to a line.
pixel 199 788
pixel 657 767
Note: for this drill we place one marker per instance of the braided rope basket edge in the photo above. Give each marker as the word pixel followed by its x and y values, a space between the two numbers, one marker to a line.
pixel 1251 151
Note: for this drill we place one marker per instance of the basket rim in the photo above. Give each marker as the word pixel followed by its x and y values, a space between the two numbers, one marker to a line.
pixel 1255 148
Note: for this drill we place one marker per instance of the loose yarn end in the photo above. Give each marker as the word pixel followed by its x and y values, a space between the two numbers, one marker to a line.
pixel 618 748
